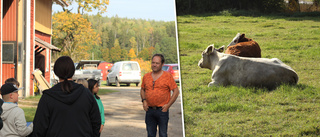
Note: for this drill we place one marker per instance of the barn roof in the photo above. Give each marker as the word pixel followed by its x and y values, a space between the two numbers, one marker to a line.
pixel 46 44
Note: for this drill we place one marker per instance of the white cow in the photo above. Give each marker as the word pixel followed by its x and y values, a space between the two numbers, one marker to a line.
pixel 247 72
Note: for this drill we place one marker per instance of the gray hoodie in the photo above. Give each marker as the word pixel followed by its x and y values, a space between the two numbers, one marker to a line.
pixel 14 122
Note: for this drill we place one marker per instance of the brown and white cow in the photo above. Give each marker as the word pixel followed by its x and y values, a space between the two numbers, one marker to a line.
pixel 243 47
pixel 247 72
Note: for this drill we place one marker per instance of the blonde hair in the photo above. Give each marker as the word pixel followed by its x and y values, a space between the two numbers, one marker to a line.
pixel 83 82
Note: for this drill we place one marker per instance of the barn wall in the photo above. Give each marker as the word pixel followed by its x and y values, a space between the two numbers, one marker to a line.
pixel 32 19
pixel 43 16
pixel 9 23
pixel 9 34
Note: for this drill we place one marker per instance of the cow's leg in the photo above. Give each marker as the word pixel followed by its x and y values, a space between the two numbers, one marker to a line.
pixel 211 84
pixel 215 81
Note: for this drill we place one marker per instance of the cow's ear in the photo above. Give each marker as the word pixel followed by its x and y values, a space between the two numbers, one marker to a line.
pixel 210 49
pixel 221 49
pixel 242 36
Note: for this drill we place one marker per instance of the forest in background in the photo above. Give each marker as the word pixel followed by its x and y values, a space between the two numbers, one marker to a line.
pixel 185 7
pixel 112 39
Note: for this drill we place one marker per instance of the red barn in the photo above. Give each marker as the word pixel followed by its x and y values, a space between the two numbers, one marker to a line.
pixel 25 40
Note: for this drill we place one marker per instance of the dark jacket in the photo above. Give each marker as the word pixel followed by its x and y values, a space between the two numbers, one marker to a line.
pixel 62 114
pixel 1 122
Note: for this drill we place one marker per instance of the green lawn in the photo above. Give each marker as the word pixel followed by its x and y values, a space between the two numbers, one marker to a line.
pixel 234 111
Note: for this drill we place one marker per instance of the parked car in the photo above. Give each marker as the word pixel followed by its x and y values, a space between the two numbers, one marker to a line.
pixel 87 69
pixel 124 72
pixel 173 69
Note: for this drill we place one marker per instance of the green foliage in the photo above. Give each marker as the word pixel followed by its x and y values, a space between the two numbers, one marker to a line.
pixel 141 35
pixel 105 54
pixel 209 6
pixel 144 54
pixel 116 54
pixel 169 49
pixel 237 111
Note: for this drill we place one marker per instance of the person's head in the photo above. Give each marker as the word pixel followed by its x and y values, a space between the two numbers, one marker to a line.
pixel 13 81
pixel 83 82
pixel 93 86
pixel 157 62
pixel 9 92
pixel 64 69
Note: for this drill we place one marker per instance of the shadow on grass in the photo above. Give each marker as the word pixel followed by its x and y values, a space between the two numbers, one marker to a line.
pixel 287 16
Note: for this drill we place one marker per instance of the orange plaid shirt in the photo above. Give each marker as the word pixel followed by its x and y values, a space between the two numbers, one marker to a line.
pixel 157 93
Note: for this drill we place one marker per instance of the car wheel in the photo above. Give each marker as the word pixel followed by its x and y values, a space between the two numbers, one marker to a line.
pixel 117 83
pixel 108 82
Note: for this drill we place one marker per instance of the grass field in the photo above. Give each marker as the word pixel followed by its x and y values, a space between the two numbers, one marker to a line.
pixel 237 111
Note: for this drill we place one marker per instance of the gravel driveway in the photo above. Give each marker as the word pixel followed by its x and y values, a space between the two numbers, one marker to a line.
pixel 125 116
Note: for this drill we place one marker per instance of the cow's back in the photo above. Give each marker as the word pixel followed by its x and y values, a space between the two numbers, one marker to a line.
pixel 254 72
pixel 245 49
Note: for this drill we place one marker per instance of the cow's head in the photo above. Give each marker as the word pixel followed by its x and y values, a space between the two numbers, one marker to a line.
pixel 208 59
pixel 238 38
pixel 235 40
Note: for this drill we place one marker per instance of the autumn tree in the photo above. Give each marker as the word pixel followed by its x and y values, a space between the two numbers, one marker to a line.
pixel 133 43
pixel 88 5
pixel 144 54
pixel 116 52
pixel 145 66
pixel 131 54
pixel 105 54
pixel 124 55
pixel 73 34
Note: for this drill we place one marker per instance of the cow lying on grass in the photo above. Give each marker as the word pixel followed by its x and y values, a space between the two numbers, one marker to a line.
pixel 247 72
pixel 243 47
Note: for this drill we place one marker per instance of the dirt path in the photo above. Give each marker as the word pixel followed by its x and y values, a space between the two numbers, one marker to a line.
pixel 125 117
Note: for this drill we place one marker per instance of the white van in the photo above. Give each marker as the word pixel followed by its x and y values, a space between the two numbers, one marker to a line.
pixel 124 72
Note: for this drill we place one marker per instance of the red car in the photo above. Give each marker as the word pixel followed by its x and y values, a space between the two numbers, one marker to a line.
pixel 173 69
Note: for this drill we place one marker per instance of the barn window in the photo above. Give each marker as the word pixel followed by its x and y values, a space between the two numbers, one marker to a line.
pixel 8 52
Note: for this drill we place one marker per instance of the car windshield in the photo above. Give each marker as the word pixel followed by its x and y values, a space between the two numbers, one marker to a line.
pixel 130 66
pixel 165 68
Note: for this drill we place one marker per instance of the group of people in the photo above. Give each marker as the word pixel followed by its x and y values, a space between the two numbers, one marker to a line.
pixel 74 108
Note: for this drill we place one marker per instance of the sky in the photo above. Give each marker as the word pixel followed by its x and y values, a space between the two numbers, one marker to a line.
pixel 159 10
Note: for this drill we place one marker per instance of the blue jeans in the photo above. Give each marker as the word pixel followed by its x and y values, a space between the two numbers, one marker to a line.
pixel 154 118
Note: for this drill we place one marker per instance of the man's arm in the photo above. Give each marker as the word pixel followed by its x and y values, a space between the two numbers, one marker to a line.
pixel 143 97
pixel 174 96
